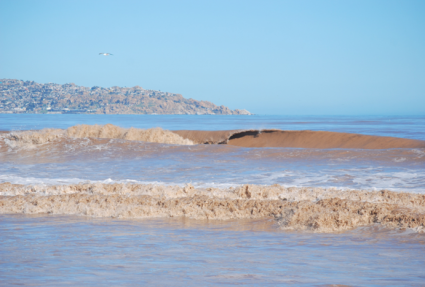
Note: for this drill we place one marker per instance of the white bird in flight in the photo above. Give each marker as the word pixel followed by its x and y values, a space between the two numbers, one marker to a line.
pixel 105 54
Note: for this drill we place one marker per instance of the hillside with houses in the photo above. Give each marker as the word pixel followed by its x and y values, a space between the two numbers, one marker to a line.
pixel 18 96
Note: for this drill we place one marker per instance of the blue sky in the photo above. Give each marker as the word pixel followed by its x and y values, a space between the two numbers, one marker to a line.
pixel 270 57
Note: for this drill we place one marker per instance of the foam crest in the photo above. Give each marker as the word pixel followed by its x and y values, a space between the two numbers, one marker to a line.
pixel 31 139
pixel 313 209
pixel 155 135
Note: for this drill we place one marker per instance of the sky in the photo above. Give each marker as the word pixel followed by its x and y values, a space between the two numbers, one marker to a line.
pixel 270 57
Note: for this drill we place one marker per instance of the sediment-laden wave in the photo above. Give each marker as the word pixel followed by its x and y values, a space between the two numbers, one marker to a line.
pixel 242 138
pixel 313 209
pixel 31 139
pixel 155 135
pixel 298 139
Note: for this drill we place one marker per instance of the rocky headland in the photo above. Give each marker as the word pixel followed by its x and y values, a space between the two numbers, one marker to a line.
pixel 18 96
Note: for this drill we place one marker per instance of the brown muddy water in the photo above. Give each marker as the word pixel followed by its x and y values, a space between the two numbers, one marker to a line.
pixel 138 204
pixel 67 250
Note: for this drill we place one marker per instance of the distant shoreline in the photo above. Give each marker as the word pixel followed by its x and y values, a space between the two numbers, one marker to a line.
pixel 18 96
pixel 94 113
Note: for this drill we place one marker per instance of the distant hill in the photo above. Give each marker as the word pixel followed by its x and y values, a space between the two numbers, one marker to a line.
pixel 30 97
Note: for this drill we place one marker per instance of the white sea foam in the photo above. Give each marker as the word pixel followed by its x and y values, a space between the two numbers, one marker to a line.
pixel 315 209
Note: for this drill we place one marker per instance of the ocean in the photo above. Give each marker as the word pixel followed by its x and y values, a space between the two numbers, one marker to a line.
pixel 102 206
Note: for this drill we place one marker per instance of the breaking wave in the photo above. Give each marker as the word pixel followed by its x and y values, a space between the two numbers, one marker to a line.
pixel 32 139
pixel 313 209
pixel 242 138
pixel 298 139
pixel 337 159
pixel 155 135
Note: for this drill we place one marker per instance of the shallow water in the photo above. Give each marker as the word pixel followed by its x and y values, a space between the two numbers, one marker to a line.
pixel 55 250
pixel 398 126
pixel 115 160
pixel 69 250
pixel 206 165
